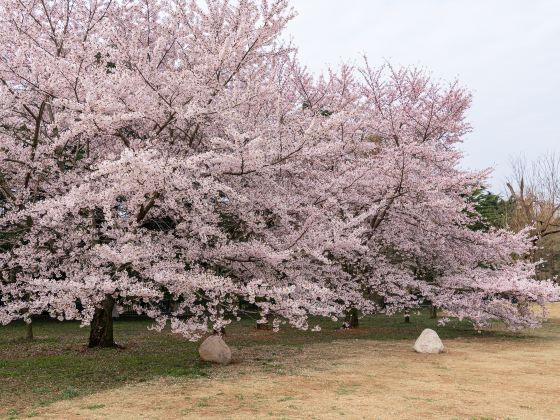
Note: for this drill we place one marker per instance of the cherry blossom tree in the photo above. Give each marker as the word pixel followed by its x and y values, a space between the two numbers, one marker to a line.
pixel 413 200
pixel 163 149
pixel 152 137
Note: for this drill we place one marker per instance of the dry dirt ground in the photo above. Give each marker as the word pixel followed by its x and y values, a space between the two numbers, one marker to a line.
pixel 480 378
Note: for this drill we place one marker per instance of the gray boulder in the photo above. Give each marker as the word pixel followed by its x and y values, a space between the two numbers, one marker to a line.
pixel 428 342
pixel 215 350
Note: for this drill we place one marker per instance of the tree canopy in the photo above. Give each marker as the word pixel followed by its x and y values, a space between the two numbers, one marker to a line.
pixel 155 149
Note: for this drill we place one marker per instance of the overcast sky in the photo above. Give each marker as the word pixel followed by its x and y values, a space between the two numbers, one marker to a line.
pixel 506 52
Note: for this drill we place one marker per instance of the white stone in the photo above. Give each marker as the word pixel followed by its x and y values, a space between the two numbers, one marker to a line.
pixel 429 342
pixel 215 350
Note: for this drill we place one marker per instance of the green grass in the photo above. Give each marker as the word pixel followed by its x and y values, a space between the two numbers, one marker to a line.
pixel 57 365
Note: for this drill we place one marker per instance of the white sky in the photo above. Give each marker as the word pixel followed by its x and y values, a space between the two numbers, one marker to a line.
pixel 506 52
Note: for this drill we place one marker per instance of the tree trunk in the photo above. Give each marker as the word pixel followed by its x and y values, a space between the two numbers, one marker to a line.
pixel 101 333
pixel 433 312
pixel 352 320
pixel 407 316
pixel 29 331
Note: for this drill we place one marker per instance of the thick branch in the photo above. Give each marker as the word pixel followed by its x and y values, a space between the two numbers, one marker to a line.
pixel 144 209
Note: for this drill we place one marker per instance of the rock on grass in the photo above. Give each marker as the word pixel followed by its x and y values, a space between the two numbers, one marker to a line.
pixel 215 350
pixel 429 342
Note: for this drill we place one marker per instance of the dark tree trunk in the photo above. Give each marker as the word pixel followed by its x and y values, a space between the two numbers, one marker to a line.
pixel 407 316
pixel 352 320
pixel 433 312
pixel 29 331
pixel 101 333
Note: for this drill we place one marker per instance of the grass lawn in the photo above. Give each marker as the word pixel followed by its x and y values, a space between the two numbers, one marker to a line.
pixel 57 365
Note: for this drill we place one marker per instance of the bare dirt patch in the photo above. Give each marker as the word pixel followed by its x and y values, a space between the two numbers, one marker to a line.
pixel 499 378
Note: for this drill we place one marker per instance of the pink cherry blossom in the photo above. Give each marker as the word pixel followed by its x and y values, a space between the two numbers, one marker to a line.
pixel 159 149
